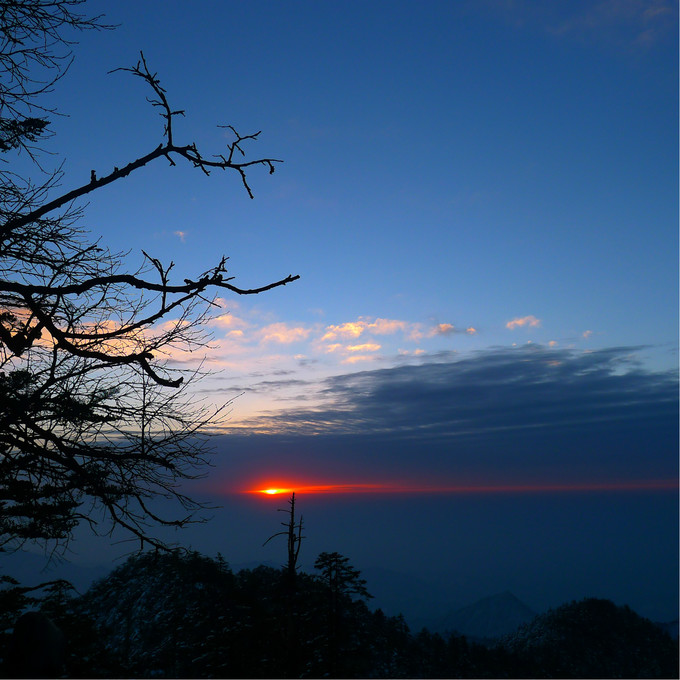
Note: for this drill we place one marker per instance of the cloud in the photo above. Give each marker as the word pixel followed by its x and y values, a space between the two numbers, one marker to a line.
pixel 587 334
pixel 449 329
pixel 412 331
pixel 283 333
pixel 636 15
pixel 411 353
pixel 268 386
pixel 500 415
pixel 527 386
pixel 229 321
pixel 640 24
pixel 353 329
pixel 181 235
pixel 630 23
pixel 442 329
pixel 367 329
pixel 356 358
pixel 350 329
pixel 519 322
pixel 387 326
pixel 248 333
pixel 366 347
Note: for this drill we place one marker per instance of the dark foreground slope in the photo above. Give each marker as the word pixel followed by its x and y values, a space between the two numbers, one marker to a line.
pixel 593 638
pixel 187 615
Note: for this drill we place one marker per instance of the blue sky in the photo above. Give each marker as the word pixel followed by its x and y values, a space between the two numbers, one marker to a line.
pixel 449 168
pixel 481 199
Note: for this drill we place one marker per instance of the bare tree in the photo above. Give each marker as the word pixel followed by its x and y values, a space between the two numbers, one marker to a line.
pixel 293 532
pixel 95 423
pixel 34 54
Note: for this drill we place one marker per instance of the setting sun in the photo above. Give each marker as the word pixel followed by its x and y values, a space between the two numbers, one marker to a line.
pixel 547 487
pixel 274 491
pixel 319 488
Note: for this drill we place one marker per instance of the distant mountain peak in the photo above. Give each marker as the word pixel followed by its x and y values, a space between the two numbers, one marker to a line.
pixel 491 617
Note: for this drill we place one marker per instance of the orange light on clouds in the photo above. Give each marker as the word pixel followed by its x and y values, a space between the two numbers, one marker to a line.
pixel 641 485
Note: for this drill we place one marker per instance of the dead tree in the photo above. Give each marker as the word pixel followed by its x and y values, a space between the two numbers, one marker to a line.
pixel 293 533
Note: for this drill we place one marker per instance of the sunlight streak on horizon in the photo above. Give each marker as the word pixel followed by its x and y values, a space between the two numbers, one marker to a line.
pixel 641 485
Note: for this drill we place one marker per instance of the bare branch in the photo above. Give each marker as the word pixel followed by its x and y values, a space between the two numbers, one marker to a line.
pixel 34 295
pixel 86 416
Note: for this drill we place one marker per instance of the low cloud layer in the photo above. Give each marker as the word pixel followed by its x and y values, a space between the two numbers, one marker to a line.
pixel 528 386
pixel 505 415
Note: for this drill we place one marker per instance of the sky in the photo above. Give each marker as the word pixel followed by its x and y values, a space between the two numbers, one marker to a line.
pixel 479 360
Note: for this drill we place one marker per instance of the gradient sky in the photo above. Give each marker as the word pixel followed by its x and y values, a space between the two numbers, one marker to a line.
pixel 481 199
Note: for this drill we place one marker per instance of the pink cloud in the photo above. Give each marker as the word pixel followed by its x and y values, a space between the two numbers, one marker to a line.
pixel 366 347
pixel 387 326
pixel 351 329
pixel 530 321
pixel 228 321
pixel 356 358
pixel 282 333
pixel 442 329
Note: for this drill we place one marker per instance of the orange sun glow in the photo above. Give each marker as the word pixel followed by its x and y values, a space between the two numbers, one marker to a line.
pixel 413 488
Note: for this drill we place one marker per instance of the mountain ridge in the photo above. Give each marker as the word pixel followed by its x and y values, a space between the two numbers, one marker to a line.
pixel 489 618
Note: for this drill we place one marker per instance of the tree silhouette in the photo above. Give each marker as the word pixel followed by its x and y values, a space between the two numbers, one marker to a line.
pixel 342 582
pixel 95 423
pixel 293 533
pixel 34 54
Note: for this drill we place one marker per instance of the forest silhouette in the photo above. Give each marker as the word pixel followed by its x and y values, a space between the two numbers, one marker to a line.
pixel 174 614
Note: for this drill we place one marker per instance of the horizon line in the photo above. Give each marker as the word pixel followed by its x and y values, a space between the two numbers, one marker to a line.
pixel 309 489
